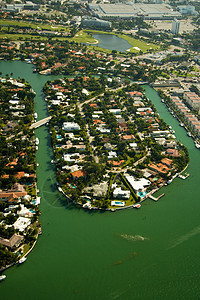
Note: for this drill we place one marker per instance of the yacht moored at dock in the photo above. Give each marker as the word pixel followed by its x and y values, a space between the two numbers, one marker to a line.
pixel 197 145
pixel 37 141
pixel 2 277
pixel 22 260
pixel 137 205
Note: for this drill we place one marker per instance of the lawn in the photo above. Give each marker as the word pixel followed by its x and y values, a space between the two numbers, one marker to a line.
pixel 33 25
pixel 83 37
pixel 16 37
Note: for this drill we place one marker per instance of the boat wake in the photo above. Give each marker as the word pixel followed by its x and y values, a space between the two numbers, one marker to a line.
pixel 185 237
pixel 132 238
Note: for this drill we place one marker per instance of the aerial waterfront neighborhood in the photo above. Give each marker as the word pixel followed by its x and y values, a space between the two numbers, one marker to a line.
pixel 111 148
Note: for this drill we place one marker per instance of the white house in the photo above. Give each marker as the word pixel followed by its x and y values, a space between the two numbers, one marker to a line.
pixel 112 154
pixel 121 194
pixel 138 184
pixel 71 157
pixel 22 223
pixel 84 91
pixel 116 111
pixel 70 126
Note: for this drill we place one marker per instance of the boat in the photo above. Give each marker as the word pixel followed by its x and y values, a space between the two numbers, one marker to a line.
pixel 37 141
pixel 197 145
pixel 137 205
pixel 35 115
pixel 189 133
pixel 181 124
pixel 22 260
pixel 2 277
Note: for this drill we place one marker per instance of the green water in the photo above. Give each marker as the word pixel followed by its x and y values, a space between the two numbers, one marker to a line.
pixel 93 255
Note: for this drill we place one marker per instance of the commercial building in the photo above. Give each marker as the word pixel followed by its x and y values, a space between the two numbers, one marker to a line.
pixel 175 26
pixel 16 7
pixel 187 10
pixel 95 22
pixel 134 10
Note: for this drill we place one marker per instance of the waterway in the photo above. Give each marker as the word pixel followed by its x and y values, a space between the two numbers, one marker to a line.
pixel 84 255
pixel 111 42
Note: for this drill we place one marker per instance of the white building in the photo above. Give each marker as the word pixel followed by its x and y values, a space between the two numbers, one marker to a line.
pixel 138 184
pixel 116 111
pixel 73 157
pixel 70 126
pixel 175 26
pixel 95 22
pixel 121 194
pixel 22 223
pixel 187 10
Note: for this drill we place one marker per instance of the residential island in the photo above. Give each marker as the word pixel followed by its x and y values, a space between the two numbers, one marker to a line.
pixel 111 148
pixel 19 225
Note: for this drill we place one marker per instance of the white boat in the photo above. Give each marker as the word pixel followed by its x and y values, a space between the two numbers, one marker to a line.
pixel 2 277
pixel 37 141
pixel 197 145
pixel 189 133
pixel 35 115
pixel 181 124
pixel 169 181
pixel 22 260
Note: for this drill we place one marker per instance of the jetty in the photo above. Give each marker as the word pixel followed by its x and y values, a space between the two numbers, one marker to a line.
pixel 156 198
pixel 183 176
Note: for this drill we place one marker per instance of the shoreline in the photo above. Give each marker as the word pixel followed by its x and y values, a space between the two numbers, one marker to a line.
pixel 95 43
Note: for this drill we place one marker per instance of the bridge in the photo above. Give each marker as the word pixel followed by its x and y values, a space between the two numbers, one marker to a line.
pixel 40 123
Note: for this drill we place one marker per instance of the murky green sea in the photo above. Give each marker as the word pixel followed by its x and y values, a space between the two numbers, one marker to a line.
pixel 150 253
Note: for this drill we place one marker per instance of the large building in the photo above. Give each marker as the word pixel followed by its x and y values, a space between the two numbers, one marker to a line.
pixel 134 10
pixel 94 22
pixel 175 26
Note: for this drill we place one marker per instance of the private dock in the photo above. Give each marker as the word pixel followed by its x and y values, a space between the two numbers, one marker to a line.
pixel 156 198
pixel 184 176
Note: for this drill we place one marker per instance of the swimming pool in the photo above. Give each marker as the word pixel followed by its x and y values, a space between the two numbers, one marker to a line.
pixel 142 194
pixel 118 203
pixel 59 137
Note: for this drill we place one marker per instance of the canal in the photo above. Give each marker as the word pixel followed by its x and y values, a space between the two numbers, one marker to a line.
pixel 151 253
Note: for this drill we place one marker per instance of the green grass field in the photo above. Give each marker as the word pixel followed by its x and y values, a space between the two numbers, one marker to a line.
pixel 14 23
pixel 83 37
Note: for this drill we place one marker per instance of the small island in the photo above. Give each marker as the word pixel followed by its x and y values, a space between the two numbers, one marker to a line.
pixel 111 148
